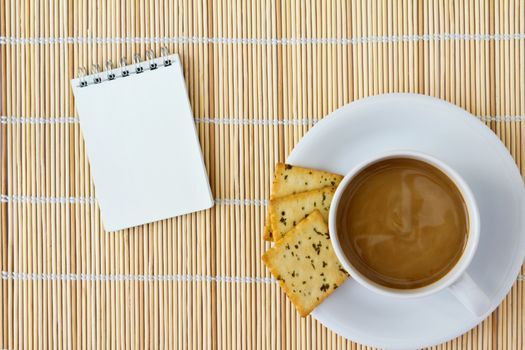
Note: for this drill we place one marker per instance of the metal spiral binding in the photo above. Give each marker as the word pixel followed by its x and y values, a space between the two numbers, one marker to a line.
pixel 138 66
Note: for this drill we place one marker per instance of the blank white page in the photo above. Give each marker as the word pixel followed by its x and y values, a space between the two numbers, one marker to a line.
pixel 142 146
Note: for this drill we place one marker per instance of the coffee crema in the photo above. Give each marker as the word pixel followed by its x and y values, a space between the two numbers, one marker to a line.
pixel 402 223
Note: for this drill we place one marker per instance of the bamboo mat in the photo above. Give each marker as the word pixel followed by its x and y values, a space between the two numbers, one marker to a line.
pixel 259 75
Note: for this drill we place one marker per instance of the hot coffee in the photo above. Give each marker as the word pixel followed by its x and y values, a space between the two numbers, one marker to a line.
pixel 402 223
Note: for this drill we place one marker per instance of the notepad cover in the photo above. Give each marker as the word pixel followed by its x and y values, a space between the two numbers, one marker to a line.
pixel 142 146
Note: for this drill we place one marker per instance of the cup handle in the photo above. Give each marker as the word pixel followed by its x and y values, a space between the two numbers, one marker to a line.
pixel 470 295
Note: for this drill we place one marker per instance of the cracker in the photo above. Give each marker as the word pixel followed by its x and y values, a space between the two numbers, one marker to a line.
pixel 290 179
pixel 305 264
pixel 286 212
pixel 267 233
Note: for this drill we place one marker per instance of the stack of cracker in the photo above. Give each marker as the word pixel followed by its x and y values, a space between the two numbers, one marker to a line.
pixel 302 259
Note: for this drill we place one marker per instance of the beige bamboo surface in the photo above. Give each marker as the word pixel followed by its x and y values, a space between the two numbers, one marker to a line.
pixel 253 99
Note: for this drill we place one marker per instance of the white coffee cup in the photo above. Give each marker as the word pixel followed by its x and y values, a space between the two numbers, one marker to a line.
pixel 456 280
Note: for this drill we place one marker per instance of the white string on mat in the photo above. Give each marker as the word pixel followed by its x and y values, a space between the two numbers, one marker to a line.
pixel 18 276
pixel 92 200
pixel 261 41
pixel 228 121
pixel 46 200
pixel 218 121
pixel 239 202
pixel 502 118
pixel 38 120
pixel 245 121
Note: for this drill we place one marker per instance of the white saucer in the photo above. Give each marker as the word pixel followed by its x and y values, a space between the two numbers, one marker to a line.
pixel 414 122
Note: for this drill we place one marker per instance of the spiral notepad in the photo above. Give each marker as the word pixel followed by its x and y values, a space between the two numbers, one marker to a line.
pixel 141 142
